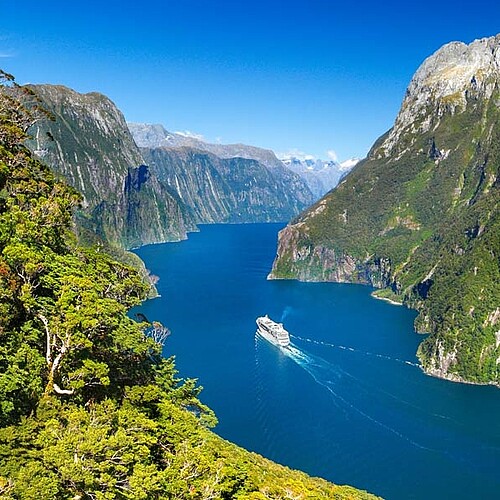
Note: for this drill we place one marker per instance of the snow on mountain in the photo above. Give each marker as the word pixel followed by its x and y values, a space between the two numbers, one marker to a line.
pixel 320 175
pixel 347 165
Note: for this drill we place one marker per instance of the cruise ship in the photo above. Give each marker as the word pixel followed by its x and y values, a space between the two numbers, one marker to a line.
pixel 272 332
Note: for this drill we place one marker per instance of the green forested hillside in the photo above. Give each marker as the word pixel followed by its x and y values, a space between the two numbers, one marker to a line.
pixel 420 216
pixel 88 407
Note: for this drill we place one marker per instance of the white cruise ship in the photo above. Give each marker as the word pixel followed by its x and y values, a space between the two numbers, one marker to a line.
pixel 272 332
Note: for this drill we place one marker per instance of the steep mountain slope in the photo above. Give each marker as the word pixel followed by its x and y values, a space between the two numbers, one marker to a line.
pixel 127 202
pixel 155 136
pixel 419 217
pixel 319 176
pixel 245 183
pixel 89 144
pixel 228 189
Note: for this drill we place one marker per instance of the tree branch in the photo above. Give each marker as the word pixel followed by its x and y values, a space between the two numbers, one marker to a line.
pixel 48 354
pixel 58 390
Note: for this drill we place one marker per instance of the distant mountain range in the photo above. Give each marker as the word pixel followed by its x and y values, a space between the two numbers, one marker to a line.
pixel 320 176
pixel 155 136
pixel 419 217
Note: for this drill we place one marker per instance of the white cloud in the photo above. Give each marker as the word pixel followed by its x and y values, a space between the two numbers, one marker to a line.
pixel 295 153
pixel 6 51
pixel 332 155
pixel 192 135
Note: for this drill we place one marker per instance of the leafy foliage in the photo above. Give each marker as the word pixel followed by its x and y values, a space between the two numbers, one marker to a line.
pixel 89 409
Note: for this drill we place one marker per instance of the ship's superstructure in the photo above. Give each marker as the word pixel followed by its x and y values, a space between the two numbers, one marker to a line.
pixel 272 331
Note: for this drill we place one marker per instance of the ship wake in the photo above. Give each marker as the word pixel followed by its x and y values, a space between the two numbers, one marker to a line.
pixel 354 350
pixel 341 384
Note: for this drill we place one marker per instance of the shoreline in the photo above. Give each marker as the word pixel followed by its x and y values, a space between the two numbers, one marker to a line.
pixel 386 299
pixel 456 379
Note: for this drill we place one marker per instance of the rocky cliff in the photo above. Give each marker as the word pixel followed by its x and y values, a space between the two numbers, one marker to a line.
pixel 223 182
pixel 132 196
pixel 319 176
pixel 419 216
pixel 89 144
pixel 228 189
pixel 155 136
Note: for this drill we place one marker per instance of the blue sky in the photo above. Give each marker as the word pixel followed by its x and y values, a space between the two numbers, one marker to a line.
pixel 315 76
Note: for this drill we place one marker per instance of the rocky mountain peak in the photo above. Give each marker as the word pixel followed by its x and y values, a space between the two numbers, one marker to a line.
pixel 99 149
pixel 94 106
pixel 420 217
pixel 156 136
pixel 444 84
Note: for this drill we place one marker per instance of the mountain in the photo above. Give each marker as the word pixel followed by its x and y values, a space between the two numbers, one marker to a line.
pixel 89 144
pixel 155 136
pixel 320 175
pixel 135 196
pixel 228 189
pixel 419 217
pixel 222 183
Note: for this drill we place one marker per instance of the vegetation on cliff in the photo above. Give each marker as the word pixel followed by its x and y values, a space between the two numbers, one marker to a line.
pixel 420 216
pixel 89 408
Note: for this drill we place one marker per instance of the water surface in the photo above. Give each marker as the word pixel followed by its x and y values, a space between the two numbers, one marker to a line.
pixel 349 402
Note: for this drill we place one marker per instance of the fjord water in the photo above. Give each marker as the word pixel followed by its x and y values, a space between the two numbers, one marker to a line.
pixel 348 402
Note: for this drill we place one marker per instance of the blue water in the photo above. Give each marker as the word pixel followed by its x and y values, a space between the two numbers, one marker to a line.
pixel 349 402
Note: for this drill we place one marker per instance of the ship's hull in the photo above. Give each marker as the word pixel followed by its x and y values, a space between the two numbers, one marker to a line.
pixel 283 344
pixel 272 340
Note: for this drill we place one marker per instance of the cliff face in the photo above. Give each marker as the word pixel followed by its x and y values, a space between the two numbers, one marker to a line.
pixel 299 258
pixel 317 176
pixel 228 189
pixel 419 217
pixel 133 197
pixel 89 144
